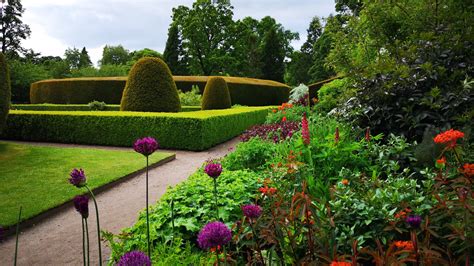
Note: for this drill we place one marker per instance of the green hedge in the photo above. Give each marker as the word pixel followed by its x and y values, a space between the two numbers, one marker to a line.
pixel 198 130
pixel 243 91
pixel 80 107
pixel 314 88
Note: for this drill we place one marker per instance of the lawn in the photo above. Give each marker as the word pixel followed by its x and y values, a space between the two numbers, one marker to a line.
pixel 36 177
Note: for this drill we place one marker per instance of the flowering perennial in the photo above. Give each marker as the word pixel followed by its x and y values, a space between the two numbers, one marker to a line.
pixel 213 170
pixel 134 258
pixel 214 234
pixel 449 137
pixel 305 130
pixel 414 221
pixel 468 169
pixel 404 245
pixel 252 211
pixel 81 203
pixel 340 263
pixel 146 146
pixel 77 178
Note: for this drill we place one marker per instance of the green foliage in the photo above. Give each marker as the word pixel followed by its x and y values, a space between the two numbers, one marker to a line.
pixel 114 55
pixel 216 94
pixel 174 54
pixel 22 74
pixel 97 106
pixel 193 208
pixel 81 107
pixel 273 56
pixel 333 94
pixel 294 113
pixel 5 91
pixel 190 98
pixel 298 92
pixel 189 130
pixel 103 71
pixel 253 155
pixel 13 29
pixel 150 88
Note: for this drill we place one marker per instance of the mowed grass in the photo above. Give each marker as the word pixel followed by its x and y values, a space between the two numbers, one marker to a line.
pixel 36 177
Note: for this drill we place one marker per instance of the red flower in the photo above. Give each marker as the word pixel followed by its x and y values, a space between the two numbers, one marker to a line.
pixel 274 110
pixel 345 182
pixel 336 137
pixel 441 161
pixel 367 134
pixel 404 245
pixel 305 130
pixel 468 169
pixel 267 190
pixel 449 137
pixel 340 263
pixel 283 119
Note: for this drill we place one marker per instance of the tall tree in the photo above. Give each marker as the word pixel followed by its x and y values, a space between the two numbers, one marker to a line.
pixel 114 55
pixel 174 54
pixel 273 56
pixel 84 59
pixel 12 30
pixel 73 57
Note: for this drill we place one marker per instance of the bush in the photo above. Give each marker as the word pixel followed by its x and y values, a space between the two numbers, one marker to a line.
pixel 150 88
pixel 333 94
pixel 97 106
pixel 5 91
pixel 216 94
pixel 190 130
pixel 190 98
pixel 252 155
pixel 81 107
pixel 243 91
pixel 22 75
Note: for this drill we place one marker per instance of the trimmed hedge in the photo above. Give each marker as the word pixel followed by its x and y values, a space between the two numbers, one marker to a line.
pixel 150 88
pixel 80 107
pixel 243 91
pixel 190 131
pixel 216 95
pixel 5 91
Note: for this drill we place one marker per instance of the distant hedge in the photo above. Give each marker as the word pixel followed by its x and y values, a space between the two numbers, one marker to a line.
pixel 80 107
pixel 190 130
pixel 243 91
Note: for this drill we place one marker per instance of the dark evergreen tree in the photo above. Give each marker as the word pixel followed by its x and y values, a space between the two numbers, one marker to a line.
pixel 12 30
pixel 174 54
pixel 84 59
pixel 273 56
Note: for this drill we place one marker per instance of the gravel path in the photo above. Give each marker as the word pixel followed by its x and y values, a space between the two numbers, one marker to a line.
pixel 57 239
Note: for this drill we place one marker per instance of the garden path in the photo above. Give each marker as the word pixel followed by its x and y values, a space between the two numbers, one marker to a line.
pixel 57 239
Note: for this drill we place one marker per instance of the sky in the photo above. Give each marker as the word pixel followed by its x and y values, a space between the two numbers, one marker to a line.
pixel 136 24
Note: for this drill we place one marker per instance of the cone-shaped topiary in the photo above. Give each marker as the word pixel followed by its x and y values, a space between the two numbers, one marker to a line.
pixel 150 88
pixel 5 91
pixel 216 94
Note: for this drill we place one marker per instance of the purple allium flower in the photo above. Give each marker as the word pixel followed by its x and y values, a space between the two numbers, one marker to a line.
pixel 77 178
pixel 134 258
pixel 146 146
pixel 252 210
pixel 214 234
pixel 81 203
pixel 414 221
pixel 213 170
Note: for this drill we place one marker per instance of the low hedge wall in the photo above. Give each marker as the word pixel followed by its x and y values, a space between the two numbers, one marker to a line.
pixel 243 91
pixel 81 107
pixel 198 130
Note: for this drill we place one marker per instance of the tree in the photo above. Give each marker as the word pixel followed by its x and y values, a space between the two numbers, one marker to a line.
pixel 349 6
pixel 208 36
pixel 73 57
pixel 5 91
pixel 12 30
pixel 114 55
pixel 84 59
pixel 314 32
pixel 273 55
pixel 174 54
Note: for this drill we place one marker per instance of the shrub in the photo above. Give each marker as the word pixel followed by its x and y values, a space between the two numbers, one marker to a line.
pixel 97 106
pixel 150 88
pixel 333 94
pixel 5 91
pixel 216 94
pixel 22 74
pixel 253 155
pixel 190 98
pixel 81 107
pixel 189 130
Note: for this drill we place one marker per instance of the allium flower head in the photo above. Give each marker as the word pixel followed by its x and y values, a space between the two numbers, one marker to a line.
pixel 77 178
pixel 146 146
pixel 449 137
pixel 81 203
pixel 414 221
pixel 214 234
pixel 252 211
pixel 305 130
pixel 134 258
pixel 213 170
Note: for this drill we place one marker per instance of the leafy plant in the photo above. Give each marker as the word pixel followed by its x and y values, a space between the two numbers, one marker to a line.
pixel 190 98
pixel 97 106
pixel 253 154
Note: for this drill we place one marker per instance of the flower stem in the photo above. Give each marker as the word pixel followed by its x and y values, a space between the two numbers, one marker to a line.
pixel 98 224
pixel 217 257
pixel 83 242
pixel 147 215
pixel 17 233
pixel 215 198
pixel 172 217
pixel 256 242
pixel 87 241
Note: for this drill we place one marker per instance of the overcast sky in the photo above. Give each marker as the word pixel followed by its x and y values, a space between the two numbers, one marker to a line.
pixel 137 24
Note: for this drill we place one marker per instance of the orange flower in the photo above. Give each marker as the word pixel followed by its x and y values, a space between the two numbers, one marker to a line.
pixel 283 119
pixel 468 169
pixel 402 215
pixel 274 110
pixel 449 137
pixel 267 190
pixel 441 161
pixel 340 263
pixel 404 245
pixel 345 182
